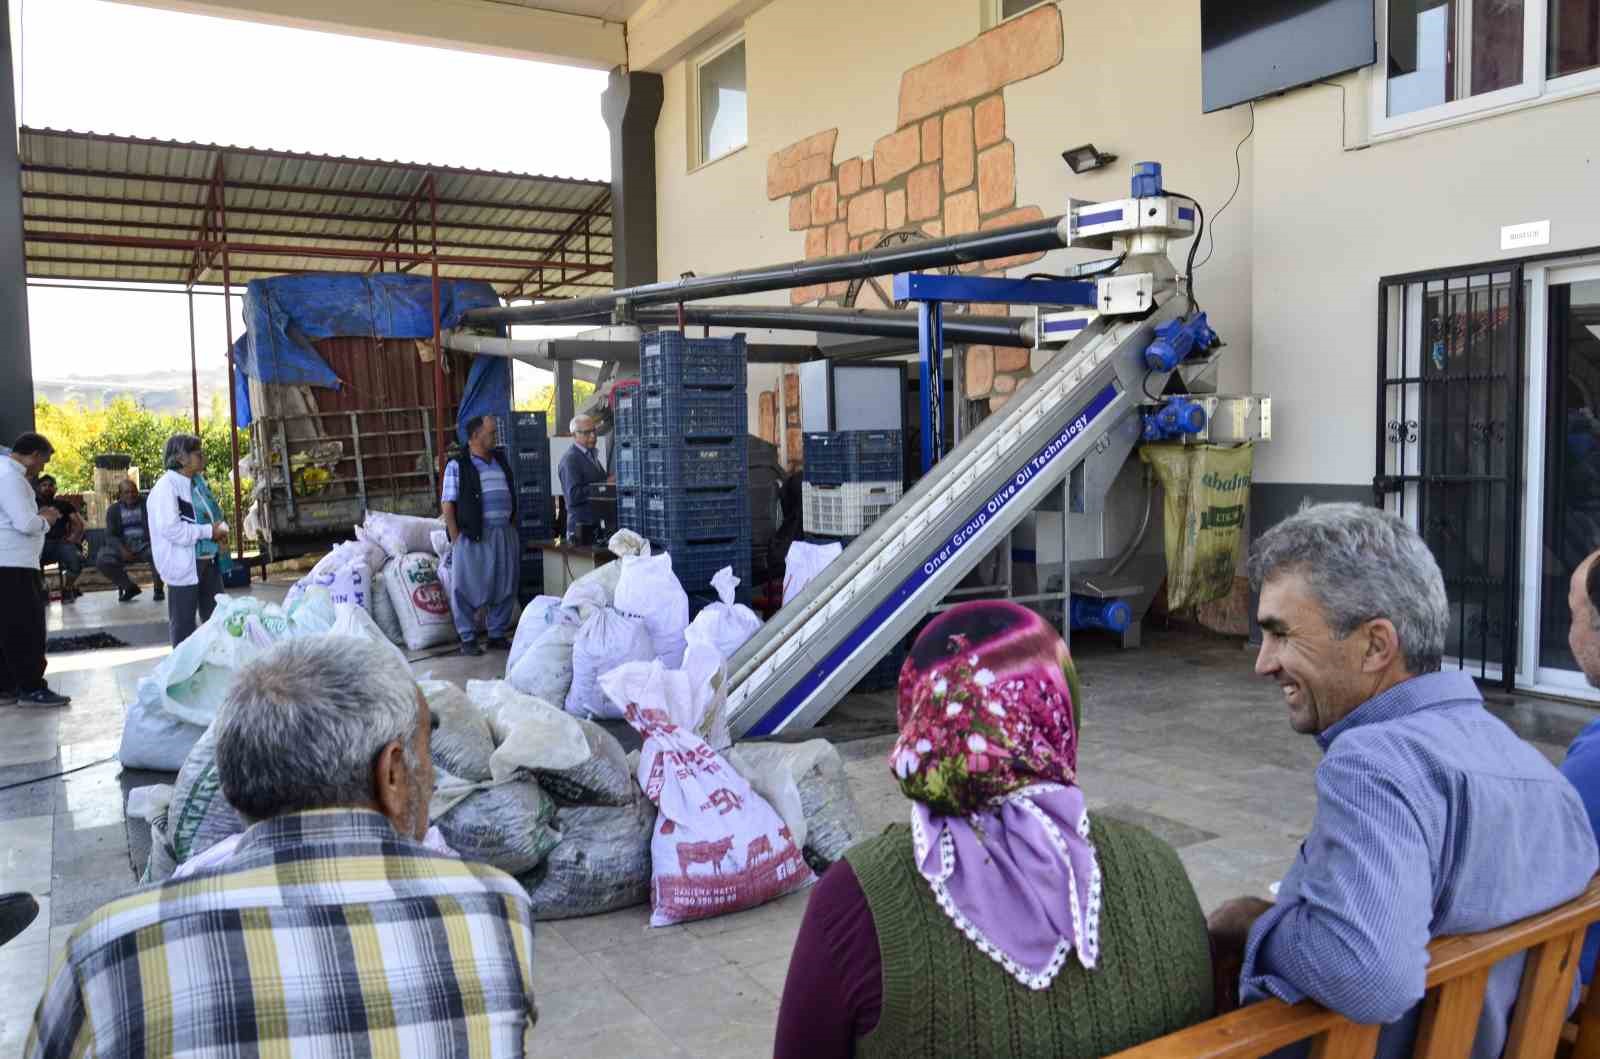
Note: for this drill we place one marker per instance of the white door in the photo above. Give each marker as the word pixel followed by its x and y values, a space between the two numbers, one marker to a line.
pixel 1562 519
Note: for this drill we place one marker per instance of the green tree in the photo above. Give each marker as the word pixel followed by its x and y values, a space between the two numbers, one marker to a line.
pixel 543 398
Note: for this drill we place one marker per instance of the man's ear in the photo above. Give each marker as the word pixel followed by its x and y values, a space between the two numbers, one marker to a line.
pixel 1382 645
pixel 389 789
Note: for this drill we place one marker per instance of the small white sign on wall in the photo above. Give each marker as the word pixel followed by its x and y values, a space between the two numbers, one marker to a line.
pixel 1520 236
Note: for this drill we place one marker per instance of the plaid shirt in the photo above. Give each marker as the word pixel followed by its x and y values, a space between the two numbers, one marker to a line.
pixel 327 934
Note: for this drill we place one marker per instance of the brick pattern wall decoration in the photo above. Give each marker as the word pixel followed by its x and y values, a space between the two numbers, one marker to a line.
pixel 947 169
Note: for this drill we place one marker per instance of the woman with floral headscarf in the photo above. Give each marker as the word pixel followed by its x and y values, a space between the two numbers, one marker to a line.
pixel 1000 921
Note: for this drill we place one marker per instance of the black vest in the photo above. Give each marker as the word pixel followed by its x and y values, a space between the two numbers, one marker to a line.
pixel 469 494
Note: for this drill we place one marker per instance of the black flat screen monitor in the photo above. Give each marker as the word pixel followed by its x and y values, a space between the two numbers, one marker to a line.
pixel 1254 48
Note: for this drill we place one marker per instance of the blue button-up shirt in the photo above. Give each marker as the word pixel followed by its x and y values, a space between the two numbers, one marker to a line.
pixel 1432 818
pixel 1582 769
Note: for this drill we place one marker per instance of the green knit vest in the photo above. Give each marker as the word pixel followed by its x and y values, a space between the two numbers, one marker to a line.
pixel 944 997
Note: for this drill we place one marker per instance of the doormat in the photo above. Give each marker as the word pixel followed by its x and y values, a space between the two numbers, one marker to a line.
pixel 93 641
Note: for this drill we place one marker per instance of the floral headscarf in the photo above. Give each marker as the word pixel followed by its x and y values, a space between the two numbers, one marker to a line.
pixel 987 702
pixel 988 755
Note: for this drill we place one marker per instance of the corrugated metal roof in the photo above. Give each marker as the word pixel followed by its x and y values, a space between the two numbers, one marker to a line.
pixel 119 208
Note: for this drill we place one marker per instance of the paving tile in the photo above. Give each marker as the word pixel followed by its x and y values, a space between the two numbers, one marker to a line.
pixel 593 933
pixel 725 998
pixel 34 795
pixel 568 1016
pixel 632 1040
pixel 1174 833
pixel 30 735
pixel 25 854
pixel 772 974
pixel 654 957
pixel 557 965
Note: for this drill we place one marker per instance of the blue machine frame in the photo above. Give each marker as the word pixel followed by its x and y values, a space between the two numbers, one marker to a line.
pixel 931 292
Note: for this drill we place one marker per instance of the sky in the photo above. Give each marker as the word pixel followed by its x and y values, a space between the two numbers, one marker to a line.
pixel 92 65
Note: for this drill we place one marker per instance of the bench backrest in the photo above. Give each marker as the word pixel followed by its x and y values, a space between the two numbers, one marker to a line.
pixel 1458 974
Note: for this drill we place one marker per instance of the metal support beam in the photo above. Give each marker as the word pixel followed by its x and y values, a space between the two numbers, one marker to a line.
pixel 438 347
pixel 16 358
pixel 631 104
pixel 883 261
pixel 233 407
pixel 566 399
pixel 194 360
pixel 934 286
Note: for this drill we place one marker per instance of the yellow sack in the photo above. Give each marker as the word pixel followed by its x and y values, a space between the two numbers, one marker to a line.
pixel 1207 494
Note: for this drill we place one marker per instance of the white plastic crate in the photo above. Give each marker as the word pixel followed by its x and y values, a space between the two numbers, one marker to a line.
pixel 846 510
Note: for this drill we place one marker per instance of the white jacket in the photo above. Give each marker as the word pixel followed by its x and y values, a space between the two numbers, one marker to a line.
pixel 22 530
pixel 173 530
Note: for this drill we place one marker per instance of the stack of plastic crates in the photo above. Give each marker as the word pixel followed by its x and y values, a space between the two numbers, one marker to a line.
pixel 625 440
pixel 852 477
pixel 528 452
pixel 682 480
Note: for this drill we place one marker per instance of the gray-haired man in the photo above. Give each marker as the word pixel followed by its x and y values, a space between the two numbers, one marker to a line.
pixel 1432 816
pixel 581 468
pixel 332 930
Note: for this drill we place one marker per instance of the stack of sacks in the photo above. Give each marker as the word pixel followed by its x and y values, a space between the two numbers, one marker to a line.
pixel 601 859
pixel 541 660
pixel 719 846
pixel 180 697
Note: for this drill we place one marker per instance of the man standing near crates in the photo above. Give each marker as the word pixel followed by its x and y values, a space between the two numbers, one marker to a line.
pixel 479 506
pixel 580 469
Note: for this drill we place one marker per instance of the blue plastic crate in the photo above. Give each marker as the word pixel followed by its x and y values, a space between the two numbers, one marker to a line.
pixel 671 413
pixel 696 563
pixel 627 415
pixel 528 428
pixel 708 515
pixel 630 511
pixel 629 466
pixel 854 456
pixel 667 358
pixel 692 464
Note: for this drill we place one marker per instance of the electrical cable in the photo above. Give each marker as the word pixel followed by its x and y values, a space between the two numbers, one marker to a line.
pixel 1199 233
pixel 57 775
pixel 1145 386
pixel 1238 179
pixel 1343 145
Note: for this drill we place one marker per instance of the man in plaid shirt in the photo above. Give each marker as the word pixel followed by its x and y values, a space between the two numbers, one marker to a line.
pixel 332 931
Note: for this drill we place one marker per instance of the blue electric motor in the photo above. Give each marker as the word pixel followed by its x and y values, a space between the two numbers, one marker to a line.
pixel 1112 615
pixel 1146 180
pixel 1176 339
pixel 1179 416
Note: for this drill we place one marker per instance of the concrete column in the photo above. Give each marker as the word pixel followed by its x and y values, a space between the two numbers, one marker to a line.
pixel 16 360
pixel 631 104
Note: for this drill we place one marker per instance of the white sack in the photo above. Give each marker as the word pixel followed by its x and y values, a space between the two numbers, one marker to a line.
pixel 804 562
pixel 724 625
pixel 200 816
pixel 400 535
pixel 649 589
pixel 383 612
pixel 718 846
pixel 462 743
pixel 809 776
pixel 154 739
pixel 574 760
pixel 535 616
pixel 544 669
pixel 607 639
pixel 412 583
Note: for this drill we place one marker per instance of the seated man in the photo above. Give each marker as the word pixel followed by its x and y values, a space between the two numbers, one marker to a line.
pixel 1432 816
pixel 333 930
pixel 127 542
pixel 1582 766
pixel 63 544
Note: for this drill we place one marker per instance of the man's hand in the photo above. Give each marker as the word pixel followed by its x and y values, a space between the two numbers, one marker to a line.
pixel 219 532
pixel 50 515
pixel 127 554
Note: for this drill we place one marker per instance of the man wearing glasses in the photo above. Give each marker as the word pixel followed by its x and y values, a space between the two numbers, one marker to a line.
pixel 580 469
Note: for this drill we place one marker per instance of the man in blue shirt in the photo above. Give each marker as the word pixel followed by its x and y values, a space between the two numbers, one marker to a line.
pixel 1582 765
pixel 1432 816
pixel 479 505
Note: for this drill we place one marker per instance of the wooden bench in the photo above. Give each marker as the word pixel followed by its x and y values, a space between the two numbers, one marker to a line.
pixel 1458 973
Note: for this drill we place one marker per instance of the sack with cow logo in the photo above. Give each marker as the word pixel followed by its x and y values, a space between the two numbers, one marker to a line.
pixel 601 864
pixel 718 846
pixel 807 783
pixel 419 601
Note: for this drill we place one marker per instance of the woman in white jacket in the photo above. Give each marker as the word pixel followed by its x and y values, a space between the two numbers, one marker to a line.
pixel 193 584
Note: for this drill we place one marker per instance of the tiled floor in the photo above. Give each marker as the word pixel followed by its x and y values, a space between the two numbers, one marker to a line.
pixel 1179 737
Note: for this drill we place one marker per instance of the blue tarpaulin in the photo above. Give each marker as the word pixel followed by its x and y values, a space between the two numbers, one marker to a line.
pixel 285 314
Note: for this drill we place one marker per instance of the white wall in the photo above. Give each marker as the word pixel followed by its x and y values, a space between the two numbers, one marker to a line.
pixel 820 64
pixel 1330 223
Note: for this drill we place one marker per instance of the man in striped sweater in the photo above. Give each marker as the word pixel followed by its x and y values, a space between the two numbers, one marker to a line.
pixel 479 504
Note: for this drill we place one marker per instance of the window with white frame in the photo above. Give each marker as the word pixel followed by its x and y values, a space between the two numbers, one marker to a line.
pixel 1005 9
pixel 1443 59
pixel 720 118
